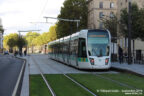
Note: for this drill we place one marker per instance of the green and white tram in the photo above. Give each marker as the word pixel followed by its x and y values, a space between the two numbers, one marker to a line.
pixel 87 49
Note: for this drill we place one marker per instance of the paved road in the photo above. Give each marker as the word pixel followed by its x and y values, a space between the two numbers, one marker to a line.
pixel 9 71
pixel 49 66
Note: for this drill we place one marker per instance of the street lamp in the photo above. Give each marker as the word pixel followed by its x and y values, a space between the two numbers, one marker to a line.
pixel 129 32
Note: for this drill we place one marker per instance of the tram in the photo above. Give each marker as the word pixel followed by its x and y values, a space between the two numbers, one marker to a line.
pixel 87 49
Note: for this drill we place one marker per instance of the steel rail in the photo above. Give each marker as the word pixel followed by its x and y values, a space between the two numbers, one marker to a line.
pixel 115 81
pixel 48 85
pixel 80 85
pixel 74 81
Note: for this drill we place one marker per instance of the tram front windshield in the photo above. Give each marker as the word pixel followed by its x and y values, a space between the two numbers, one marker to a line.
pixel 98 43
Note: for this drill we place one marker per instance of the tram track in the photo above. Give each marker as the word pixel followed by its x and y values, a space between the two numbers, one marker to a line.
pixel 111 70
pixel 77 81
pixel 115 81
pixel 44 78
pixel 110 79
pixel 71 79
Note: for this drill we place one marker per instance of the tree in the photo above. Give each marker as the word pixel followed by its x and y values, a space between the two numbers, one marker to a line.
pixel 10 41
pixel 13 40
pixel 21 42
pixel 110 23
pixel 30 37
pixel 72 9
pixel 52 33
pixel 134 22
pixel 46 37
pixel 41 39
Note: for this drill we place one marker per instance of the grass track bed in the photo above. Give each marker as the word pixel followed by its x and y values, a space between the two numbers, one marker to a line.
pixel 132 80
pixel 96 84
pixel 38 86
pixel 62 86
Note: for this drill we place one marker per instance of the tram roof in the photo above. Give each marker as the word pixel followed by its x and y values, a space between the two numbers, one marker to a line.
pixel 75 35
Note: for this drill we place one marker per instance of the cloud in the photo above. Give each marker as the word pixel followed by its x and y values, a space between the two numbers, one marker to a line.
pixel 17 14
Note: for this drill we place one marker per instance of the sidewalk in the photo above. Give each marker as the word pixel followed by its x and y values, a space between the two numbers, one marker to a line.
pixel 25 83
pixel 137 68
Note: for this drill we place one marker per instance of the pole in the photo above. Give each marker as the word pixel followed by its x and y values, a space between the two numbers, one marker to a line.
pixel 77 25
pixel 129 33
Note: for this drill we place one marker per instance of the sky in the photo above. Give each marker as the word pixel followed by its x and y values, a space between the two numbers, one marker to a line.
pixel 21 15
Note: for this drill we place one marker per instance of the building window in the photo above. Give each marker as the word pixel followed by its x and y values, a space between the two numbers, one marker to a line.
pixel 111 14
pixel 101 5
pixel 100 25
pixel 101 15
pixel 111 5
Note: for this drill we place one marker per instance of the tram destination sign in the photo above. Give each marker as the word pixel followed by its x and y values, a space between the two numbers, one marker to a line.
pixel 94 35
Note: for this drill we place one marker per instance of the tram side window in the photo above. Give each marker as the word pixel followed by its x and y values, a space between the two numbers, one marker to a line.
pixel 82 48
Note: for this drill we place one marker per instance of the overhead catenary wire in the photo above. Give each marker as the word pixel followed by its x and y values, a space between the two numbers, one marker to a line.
pixel 43 8
pixel 41 13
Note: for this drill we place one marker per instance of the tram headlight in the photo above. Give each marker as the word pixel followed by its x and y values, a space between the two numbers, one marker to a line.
pixel 106 61
pixel 92 61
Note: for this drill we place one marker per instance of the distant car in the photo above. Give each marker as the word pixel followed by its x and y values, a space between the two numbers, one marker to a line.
pixel 6 53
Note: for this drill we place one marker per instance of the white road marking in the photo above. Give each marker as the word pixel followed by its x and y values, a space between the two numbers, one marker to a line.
pixel 18 80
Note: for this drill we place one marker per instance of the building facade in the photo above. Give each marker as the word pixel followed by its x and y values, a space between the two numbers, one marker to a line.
pixel 99 9
pixel 1 36
pixel 124 4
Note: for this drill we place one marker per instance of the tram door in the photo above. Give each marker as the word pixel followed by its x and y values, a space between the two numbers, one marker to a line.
pixel 82 50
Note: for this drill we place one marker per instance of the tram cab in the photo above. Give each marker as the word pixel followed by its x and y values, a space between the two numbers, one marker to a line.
pixel 97 49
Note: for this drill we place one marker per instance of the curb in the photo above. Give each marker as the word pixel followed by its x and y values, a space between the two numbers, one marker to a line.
pixel 126 71
pixel 17 87
pixel 25 82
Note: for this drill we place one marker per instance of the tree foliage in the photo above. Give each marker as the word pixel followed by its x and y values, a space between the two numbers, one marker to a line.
pixel 72 9
pixel 36 39
pixel 110 23
pixel 30 37
pixel 10 40
pixel 46 36
pixel 41 39
pixel 52 33
pixel 137 22
pixel 21 42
